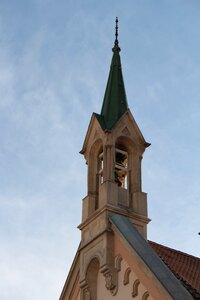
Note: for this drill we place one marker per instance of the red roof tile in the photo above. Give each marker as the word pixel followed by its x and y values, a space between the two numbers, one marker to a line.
pixel 185 266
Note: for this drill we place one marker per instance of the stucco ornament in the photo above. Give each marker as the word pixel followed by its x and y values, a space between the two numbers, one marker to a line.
pixel 111 275
pixel 109 283
pixel 86 294
pixel 145 296
pixel 127 276
pixel 135 288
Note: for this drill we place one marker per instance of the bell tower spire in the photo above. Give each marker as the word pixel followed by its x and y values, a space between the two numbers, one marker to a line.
pixel 115 102
pixel 113 150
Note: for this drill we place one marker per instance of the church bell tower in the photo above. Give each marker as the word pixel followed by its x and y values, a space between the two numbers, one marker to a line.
pixel 113 150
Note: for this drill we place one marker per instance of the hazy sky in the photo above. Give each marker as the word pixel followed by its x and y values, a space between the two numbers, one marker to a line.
pixel 54 63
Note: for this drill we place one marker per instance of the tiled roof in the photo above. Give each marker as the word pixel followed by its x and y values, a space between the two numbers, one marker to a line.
pixel 184 266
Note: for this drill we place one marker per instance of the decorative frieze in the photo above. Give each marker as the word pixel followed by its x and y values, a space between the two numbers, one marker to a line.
pixel 127 276
pixel 145 296
pixel 135 288
pixel 118 260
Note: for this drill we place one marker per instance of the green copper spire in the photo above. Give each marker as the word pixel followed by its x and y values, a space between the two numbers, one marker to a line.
pixel 114 103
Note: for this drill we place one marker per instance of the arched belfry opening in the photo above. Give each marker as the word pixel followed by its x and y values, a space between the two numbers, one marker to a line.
pixel 129 153
pixel 95 172
pixel 122 170
pixel 121 167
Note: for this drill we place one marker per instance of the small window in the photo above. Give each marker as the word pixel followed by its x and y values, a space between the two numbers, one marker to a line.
pixel 100 168
pixel 121 166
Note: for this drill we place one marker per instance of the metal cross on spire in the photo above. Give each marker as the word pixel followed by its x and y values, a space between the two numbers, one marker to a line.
pixel 116 44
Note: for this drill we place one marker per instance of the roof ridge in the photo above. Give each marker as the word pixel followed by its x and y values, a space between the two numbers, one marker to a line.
pixel 175 250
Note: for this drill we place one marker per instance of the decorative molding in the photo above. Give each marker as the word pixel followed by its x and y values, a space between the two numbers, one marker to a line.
pixel 111 275
pixel 145 296
pixel 127 276
pixel 86 294
pixel 111 282
pixel 118 260
pixel 126 132
pixel 135 288
pixel 83 284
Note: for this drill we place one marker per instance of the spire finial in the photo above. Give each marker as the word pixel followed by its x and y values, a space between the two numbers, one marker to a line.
pixel 116 44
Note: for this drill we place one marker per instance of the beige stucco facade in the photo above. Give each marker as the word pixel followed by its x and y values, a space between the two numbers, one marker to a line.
pixel 134 280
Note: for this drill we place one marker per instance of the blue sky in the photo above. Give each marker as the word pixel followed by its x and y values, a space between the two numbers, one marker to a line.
pixel 54 64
